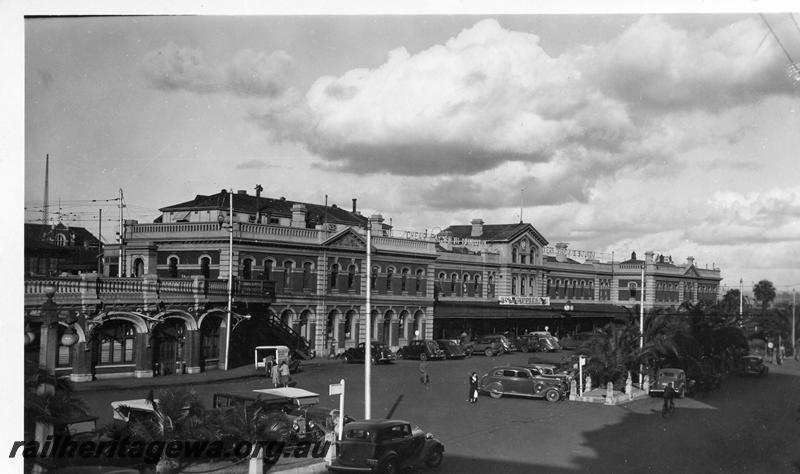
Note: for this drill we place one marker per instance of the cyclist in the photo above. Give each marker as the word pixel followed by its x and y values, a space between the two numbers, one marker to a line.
pixel 669 398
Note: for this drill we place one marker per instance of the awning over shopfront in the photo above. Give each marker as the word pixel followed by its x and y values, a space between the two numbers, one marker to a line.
pixel 482 310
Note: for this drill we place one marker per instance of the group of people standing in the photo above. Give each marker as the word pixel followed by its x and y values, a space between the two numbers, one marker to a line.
pixel 278 372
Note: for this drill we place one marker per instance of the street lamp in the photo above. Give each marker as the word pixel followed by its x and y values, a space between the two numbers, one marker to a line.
pixel 229 227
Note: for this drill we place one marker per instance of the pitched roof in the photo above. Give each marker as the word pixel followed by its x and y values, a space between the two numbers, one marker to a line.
pixel 315 213
pixel 496 232
pixel 36 235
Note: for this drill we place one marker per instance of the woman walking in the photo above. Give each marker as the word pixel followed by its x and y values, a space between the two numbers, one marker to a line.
pixel 473 388
pixel 276 375
pixel 284 374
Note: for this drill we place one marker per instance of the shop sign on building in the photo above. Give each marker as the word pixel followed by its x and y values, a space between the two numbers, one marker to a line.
pixel 525 300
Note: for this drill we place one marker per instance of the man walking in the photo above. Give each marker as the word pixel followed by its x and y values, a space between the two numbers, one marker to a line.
pixel 424 378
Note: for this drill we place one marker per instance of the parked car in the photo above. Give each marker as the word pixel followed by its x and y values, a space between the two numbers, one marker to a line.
pixel 528 343
pixel 551 370
pixel 664 377
pixel 451 348
pixel 313 422
pixel 753 365
pixel 522 381
pixel 422 349
pixel 490 345
pixel 548 343
pixel 386 446
pixel 379 353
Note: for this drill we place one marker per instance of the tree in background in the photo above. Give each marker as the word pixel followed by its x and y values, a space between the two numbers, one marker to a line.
pixel 764 292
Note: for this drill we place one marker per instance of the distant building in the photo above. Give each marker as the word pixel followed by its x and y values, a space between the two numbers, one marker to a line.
pixel 60 249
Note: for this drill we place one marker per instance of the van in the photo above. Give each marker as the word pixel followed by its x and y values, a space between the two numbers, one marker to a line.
pixel 279 354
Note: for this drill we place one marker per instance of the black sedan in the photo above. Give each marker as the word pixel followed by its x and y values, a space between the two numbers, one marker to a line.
pixel 452 350
pixel 380 353
pixel 386 446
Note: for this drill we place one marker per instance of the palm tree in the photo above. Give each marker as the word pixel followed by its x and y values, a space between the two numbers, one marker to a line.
pixel 764 291
pixel 51 408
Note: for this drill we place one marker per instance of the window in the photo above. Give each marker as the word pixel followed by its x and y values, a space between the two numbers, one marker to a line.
pixel 464 284
pixel 532 285
pixel 374 277
pixel 173 267
pixel 210 337
pixel 351 276
pixel 475 282
pixel 632 290
pixel 205 267
pixel 453 278
pixel 348 323
pixel 61 240
pixel 116 343
pixel 404 280
pixel 287 274
pixel 389 273
pixel 247 269
pixel 522 258
pixel 533 256
pixel 267 275
pixel 514 255
pixel 307 268
pixel 334 274
pixel 522 286
pixel 418 281
pixel 514 285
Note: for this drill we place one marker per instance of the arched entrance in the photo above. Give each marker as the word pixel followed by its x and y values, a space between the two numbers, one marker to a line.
pixel 386 333
pixel 404 326
pixel 419 325
pixel 138 267
pixel 307 327
pixel 167 342
pixel 286 317
pixel 113 348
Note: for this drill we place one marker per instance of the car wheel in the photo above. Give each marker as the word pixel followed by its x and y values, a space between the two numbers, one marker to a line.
pixel 488 352
pixel 524 349
pixel 374 361
pixel 435 459
pixel 346 359
pixel 423 356
pixel 552 395
pixel 496 390
pixel 389 467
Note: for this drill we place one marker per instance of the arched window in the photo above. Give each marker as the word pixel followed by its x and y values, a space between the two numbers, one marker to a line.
pixel 533 256
pixel 374 277
pixel 549 282
pixel 307 268
pixel 464 283
pixel 247 269
pixel 522 286
pixel 287 274
pixel 453 278
pixel 205 267
pixel 475 282
pixel 632 289
pixel 532 285
pixel 334 274
pixel 514 255
pixel 116 342
pixel 61 240
pixel 351 276
pixel 558 289
pixel 348 324
pixel 514 285
pixel 389 273
pixel 404 280
pixel 267 275
pixel 138 267
pixel 173 267
pixel 418 281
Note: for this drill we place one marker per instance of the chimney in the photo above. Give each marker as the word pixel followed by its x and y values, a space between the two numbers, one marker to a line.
pixel 561 252
pixel 648 257
pixel 376 224
pixel 298 215
pixel 354 205
pixel 690 261
pixel 477 227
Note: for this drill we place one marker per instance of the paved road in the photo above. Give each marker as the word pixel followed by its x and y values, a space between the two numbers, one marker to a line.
pixel 749 426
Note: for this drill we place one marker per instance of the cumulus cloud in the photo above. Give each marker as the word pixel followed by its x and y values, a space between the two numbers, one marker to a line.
pixel 485 97
pixel 654 64
pixel 247 73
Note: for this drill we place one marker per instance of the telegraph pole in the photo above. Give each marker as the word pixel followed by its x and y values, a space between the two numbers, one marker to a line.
pixel 120 270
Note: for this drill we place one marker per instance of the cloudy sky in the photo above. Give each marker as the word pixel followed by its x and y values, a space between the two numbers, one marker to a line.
pixel 676 133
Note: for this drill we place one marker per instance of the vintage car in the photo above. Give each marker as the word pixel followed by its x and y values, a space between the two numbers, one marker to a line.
pixel 753 365
pixel 451 348
pixel 379 353
pixel 551 370
pixel 422 349
pixel 522 381
pixel 528 343
pixel 313 422
pixel 386 446
pixel 664 377
pixel 490 345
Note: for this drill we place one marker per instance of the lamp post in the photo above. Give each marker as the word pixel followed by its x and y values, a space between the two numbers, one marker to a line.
pixel 228 319
pixel 641 325
pixel 368 333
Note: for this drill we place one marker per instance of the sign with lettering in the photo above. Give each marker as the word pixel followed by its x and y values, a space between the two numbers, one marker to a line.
pixel 581 254
pixel 525 300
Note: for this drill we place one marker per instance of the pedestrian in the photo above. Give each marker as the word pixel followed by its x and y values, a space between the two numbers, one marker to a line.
pixel 269 361
pixel 284 380
pixel 276 375
pixel 424 378
pixel 473 388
